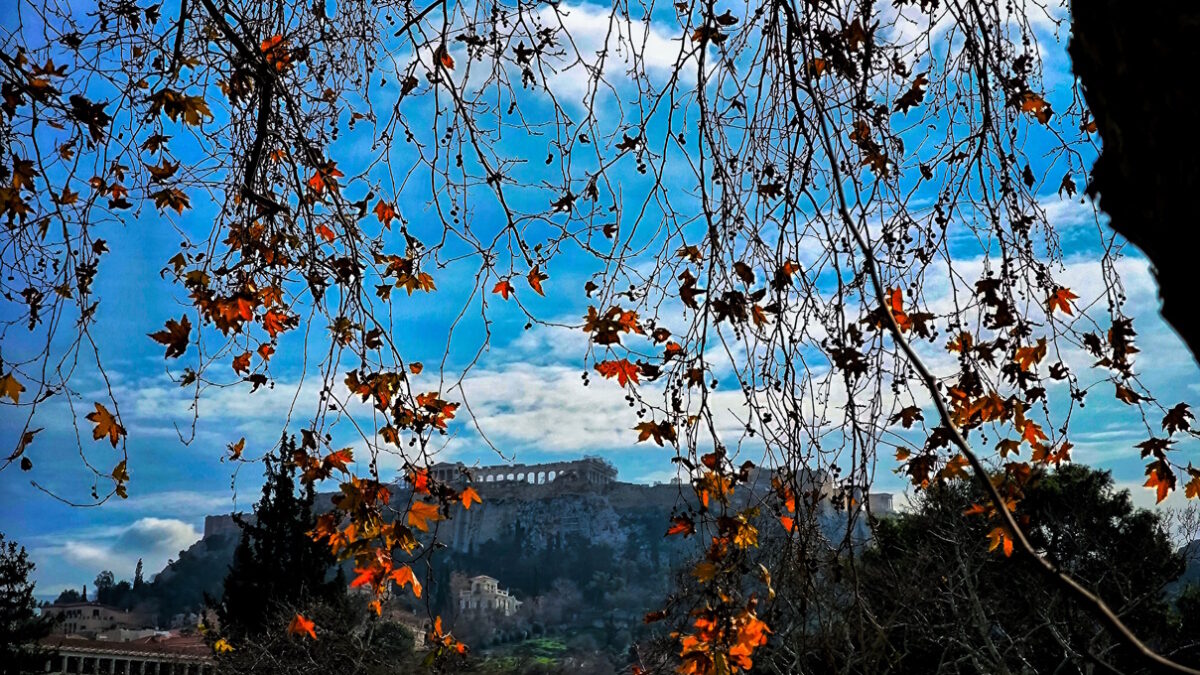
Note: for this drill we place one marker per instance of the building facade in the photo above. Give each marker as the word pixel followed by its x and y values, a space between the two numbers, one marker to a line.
pixel 175 656
pixel 485 595
pixel 90 619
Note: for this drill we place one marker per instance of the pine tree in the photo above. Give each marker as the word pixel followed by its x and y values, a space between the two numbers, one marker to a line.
pixel 138 581
pixel 20 626
pixel 277 567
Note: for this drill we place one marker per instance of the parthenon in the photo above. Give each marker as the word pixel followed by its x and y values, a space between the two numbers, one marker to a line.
pixel 589 470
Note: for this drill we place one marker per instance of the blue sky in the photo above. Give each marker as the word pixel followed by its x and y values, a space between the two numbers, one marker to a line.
pixel 525 390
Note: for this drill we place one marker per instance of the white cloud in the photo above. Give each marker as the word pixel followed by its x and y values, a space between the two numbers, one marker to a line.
pixel 153 540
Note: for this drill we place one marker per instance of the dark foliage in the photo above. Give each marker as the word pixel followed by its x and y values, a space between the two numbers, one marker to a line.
pixel 277 566
pixel 20 626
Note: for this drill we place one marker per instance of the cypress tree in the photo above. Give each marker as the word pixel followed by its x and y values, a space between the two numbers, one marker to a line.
pixel 277 567
pixel 20 626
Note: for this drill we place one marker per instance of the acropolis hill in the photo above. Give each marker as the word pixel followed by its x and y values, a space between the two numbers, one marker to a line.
pixel 577 497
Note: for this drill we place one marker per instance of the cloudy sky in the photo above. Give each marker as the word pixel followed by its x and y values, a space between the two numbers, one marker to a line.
pixel 525 392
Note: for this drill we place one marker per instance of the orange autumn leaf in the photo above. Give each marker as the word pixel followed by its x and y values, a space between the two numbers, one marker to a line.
pixel 241 362
pixel 338 460
pixel 1061 299
pixel 682 525
pixel 1191 489
pixel 469 495
pixel 504 288
pixel 302 626
pixel 624 371
pixel 11 387
pixel 416 367
pixel 366 577
pixel 420 480
pixel 276 322
pixel 1162 479
pixel 443 57
pixel 324 177
pixel 421 513
pixel 999 539
pixel 106 425
pixel 326 233
pixel 535 278
pixel 1027 357
pixel 385 212
pixel 896 306
pixel 403 576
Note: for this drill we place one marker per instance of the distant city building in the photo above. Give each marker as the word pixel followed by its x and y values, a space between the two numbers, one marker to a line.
pixel 486 596
pixel 90 619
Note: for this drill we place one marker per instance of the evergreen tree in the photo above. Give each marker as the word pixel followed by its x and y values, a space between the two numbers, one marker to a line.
pixel 277 566
pixel 20 626
pixel 138 581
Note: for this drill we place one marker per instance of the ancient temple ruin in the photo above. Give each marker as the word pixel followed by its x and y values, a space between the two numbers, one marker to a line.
pixel 586 471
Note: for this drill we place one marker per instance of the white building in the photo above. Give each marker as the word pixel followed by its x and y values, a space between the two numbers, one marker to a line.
pixel 485 595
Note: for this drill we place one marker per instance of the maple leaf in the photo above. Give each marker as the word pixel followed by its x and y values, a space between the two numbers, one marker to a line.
pixel 1191 489
pixel 999 539
pixel 325 176
pixel 106 425
pixel 1161 478
pixel 504 288
pixel 442 55
pixel 326 233
pixel 10 387
pixel 419 480
pixel 420 513
pixel 338 460
pixel 175 336
pixel 535 278
pixel 622 369
pixel 956 468
pixel 469 495
pixel 1032 432
pixel 682 525
pixel 120 473
pixel 366 577
pixel 907 417
pixel 302 626
pixel 276 322
pixel 1061 299
pixel 403 576
pixel 222 646
pixel 385 212
pixel 241 363
pixel 1177 418
pixel 896 302
pixel 1127 395
pixel 1037 106
pixel 1027 357
pixel 236 449
pixel 656 430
